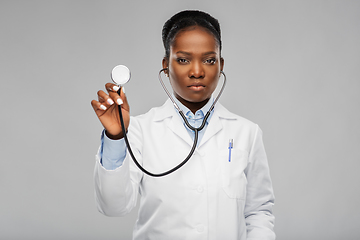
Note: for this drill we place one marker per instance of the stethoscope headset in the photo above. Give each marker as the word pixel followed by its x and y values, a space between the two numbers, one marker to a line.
pixel 121 75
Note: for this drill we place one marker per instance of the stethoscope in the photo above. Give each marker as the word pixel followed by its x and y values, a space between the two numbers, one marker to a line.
pixel 121 75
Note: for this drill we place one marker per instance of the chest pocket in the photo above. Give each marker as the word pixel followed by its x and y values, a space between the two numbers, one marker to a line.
pixel 233 178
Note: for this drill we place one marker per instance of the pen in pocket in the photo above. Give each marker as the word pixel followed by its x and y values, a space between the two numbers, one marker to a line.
pixel 231 143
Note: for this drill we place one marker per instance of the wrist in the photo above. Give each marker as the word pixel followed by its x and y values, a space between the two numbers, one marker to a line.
pixel 114 137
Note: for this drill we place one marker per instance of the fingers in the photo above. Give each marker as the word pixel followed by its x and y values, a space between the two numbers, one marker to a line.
pixel 97 106
pixel 110 87
pixel 113 91
pixel 106 109
pixel 103 103
pixel 116 98
pixel 119 98
pixel 106 100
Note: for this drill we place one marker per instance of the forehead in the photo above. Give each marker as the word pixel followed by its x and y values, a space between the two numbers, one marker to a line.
pixel 195 39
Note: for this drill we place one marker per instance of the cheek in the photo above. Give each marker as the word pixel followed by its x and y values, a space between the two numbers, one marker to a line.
pixel 216 78
pixel 176 70
pixel 174 81
pixel 176 75
pixel 214 74
pixel 214 84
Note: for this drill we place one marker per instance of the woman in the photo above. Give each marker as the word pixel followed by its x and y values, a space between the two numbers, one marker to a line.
pixel 222 192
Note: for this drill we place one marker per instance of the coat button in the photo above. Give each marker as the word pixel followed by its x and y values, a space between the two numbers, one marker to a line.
pixel 200 189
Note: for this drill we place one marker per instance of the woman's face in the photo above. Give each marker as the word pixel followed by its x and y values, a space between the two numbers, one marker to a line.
pixel 194 66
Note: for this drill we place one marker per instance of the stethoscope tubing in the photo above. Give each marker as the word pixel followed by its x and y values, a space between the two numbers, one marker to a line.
pixel 196 130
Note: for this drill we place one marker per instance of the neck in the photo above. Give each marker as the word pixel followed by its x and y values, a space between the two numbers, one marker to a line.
pixel 193 106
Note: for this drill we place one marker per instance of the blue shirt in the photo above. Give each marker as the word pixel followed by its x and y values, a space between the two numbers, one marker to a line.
pixel 113 152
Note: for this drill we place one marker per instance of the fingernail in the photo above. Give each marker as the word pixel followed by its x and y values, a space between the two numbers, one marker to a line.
pixel 119 101
pixel 110 101
pixel 123 89
pixel 116 88
pixel 102 107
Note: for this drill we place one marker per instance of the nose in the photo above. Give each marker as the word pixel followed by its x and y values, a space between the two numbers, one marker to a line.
pixel 196 70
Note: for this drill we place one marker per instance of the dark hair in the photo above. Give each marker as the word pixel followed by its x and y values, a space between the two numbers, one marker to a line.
pixel 187 19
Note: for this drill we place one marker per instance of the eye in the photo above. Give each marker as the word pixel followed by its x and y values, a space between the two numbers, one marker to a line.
pixel 182 60
pixel 210 61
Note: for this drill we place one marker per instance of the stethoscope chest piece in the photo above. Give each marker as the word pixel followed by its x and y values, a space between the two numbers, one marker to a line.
pixel 120 75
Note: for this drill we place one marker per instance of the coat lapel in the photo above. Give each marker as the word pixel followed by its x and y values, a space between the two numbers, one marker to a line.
pixel 173 121
pixel 214 127
pixel 215 123
pixel 177 126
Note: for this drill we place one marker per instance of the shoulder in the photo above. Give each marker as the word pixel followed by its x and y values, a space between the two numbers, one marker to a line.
pixel 225 115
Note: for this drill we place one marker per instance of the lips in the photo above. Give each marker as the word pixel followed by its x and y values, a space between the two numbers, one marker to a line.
pixel 196 86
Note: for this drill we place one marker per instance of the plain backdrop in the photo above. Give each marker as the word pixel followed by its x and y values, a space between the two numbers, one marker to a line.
pixel 293 67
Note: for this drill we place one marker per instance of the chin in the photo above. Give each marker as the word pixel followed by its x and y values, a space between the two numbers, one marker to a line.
pixel 198 100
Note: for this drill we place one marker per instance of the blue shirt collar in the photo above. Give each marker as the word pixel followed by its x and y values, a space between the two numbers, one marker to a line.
pixel 199 114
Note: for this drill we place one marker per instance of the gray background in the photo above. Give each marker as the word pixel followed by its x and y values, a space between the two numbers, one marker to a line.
pixel 293 67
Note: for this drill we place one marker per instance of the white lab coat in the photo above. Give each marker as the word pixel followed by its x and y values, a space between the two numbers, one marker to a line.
pixel 209 197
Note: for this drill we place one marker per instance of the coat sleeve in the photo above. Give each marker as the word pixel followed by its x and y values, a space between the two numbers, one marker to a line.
pixel 260 196
pixel 116 190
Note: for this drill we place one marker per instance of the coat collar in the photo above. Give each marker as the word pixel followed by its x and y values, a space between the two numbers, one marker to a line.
pixel 175 123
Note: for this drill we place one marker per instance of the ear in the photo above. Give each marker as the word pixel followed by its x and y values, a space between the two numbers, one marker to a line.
pixel 222 64
pixel 165 64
